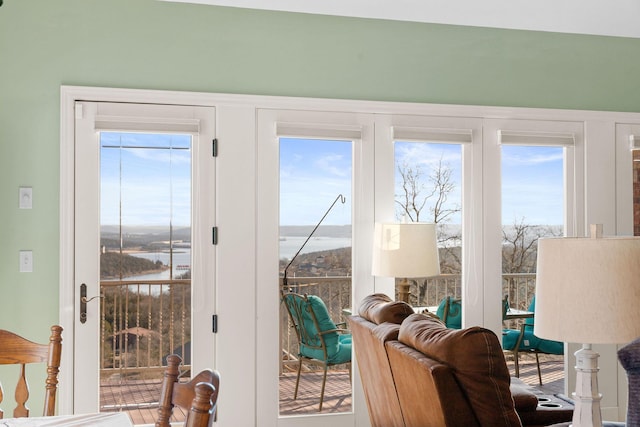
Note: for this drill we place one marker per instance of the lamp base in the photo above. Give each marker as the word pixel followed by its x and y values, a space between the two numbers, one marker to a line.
pixel 403 290
pixel 586 397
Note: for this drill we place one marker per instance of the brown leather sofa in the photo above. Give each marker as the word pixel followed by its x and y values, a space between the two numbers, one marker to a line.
pixel 417 373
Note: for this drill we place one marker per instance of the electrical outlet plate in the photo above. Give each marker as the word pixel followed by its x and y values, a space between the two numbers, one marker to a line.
pixel 26 197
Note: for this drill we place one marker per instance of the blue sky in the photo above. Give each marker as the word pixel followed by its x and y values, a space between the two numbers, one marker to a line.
pixel 532 185
pixel 312 174
pixel 144 181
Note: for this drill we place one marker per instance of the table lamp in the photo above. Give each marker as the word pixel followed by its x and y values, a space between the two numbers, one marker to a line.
pixel 405 250
pixel 588 291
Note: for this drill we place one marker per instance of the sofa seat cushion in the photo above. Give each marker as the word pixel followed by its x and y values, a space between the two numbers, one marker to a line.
pixel 476 360
pixel 380 308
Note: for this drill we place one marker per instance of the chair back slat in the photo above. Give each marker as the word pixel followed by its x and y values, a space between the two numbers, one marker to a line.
pixel 22 395
pixel 16 350
pixel 201 412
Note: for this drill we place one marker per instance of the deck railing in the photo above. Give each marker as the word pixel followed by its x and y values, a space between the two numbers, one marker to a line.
pixel 335 291
pixel 144 321
pixel 519 288
pixel 141 323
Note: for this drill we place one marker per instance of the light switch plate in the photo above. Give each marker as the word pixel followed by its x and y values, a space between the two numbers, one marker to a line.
pixel 26 197
pixel 26 261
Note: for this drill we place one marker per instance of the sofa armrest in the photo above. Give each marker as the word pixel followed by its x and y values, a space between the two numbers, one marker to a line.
pixel 536 413
pixel 523 399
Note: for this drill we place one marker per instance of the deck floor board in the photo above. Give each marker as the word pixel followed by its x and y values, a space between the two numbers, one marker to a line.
pixel 119 396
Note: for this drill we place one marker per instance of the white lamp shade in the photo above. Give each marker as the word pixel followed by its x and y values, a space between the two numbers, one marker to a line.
pixel 405 250
pixel 588 289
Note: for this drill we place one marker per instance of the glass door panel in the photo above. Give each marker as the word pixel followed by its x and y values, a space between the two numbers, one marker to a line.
pixel 315 256
pixel 533 199
pixel 532 208
pixel 428 188
pixel 145 267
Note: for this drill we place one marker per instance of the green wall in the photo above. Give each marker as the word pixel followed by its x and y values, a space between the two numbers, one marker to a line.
pixel 158 45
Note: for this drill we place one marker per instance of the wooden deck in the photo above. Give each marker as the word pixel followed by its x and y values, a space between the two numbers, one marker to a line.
pixel 338 389
pixel 117 396
pixel 337 395
pixel 552 370
pixel 139 398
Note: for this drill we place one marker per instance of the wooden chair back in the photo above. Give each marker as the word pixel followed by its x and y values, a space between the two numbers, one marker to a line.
pixel 199 396
pixel 16 350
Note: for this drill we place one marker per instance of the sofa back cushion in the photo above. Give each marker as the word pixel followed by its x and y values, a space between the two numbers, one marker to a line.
pixel 377 380
pixel 379 308
pixel 476 360
pixel 428 393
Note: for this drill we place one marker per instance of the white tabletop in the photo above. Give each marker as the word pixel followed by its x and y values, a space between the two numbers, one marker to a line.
pixel 105 419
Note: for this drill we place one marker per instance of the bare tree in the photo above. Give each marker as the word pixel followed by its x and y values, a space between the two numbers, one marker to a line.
pixel 440 178
pixel 420 194
pixel 520 245
pixel 412 199
pixel 519 249
pixel 417 192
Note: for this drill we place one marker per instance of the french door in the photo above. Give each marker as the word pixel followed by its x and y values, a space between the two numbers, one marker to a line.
pixel 308 160
pixel 144 256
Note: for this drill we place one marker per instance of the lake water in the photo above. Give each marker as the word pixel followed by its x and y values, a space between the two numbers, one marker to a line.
pixel 181 264
pixel 288 248
pixel 290 245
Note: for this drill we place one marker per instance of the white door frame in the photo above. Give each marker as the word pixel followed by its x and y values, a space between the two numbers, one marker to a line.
pixel 91 118
pixel 237 254
pixel 234 261
pixel 203 218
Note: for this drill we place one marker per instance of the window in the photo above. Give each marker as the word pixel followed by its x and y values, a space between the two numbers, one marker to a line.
pixel 428 188
pixel 536 193
pixel 533 195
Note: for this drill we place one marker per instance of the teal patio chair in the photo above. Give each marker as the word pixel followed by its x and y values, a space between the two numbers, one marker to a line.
pixel 450 312
pixel 321 341
pixel 516 341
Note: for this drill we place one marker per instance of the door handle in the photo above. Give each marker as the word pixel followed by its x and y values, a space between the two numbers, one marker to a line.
pixel 84 301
